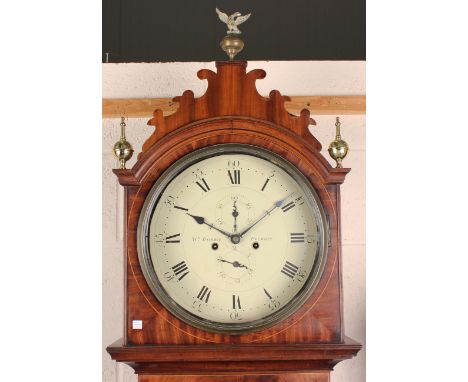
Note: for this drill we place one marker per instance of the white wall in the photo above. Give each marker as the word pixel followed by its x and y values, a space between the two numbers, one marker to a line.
pixel 290 78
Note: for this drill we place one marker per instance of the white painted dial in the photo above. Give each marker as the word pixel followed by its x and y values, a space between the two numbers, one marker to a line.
pixel 233 238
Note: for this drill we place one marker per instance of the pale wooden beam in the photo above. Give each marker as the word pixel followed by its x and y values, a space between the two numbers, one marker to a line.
pixel 328 105
pixel 318 105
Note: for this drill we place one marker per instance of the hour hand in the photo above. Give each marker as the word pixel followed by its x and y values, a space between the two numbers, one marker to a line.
pixel 198 219
pixel 201 220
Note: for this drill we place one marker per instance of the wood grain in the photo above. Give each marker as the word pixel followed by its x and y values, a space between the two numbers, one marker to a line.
pixel 319 319
pixel 231 92
pixel 216 360
pixel 312 339
pixel 292 377
pixel 317 351
pixel 317 105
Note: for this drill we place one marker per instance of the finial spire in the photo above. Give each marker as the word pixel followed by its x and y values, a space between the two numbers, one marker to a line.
pixel 232 43
pixel 123 149
pixel 338 148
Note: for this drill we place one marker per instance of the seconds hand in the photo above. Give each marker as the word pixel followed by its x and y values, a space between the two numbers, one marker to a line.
pixel 235 214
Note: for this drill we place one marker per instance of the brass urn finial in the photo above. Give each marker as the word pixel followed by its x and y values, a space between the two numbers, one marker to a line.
pixel 232 43
pixel 123 149
pixel 338 148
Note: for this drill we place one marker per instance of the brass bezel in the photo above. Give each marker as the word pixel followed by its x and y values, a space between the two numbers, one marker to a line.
pixel 147 265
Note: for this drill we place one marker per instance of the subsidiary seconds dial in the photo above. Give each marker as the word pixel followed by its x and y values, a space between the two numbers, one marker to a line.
pixel 232 239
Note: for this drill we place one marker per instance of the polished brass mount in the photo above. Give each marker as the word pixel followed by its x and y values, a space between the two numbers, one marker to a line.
pixel 338 148
pixel 123 149
pixel 232 43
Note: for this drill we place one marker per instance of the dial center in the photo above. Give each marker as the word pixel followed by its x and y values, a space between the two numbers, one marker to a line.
pixel 235 239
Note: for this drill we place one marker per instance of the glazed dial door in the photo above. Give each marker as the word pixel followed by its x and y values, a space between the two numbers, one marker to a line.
pixel 232 240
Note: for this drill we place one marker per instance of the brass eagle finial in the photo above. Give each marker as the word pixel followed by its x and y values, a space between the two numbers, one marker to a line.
pixel 232 21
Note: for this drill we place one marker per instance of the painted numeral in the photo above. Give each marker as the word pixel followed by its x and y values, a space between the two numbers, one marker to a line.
pixel 170 200
pixel 234 176
pixel 236 302
pixel 203 186
pixel 288 206
pixel 173 238
pixel 289 269
pixel 235 316
pixel 204 294
pixel 297 237
pixel 159 238
pixel 300 201
pixel 272 304
pixel 181 269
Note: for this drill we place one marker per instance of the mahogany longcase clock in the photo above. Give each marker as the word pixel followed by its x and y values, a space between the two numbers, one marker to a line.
pixel 233 269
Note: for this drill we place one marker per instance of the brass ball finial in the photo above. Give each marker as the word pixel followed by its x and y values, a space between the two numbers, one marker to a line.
pixel 123 149
pixel 231 44
pixel 338 148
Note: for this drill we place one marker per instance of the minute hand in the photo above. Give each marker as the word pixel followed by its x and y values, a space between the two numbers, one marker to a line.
pixel 277 204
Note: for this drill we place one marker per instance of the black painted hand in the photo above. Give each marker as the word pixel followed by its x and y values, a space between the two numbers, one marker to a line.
pixel 235 264
pixel 201 220
pixel 235 214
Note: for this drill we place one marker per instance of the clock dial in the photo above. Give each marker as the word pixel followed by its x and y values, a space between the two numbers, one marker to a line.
pixel 232 239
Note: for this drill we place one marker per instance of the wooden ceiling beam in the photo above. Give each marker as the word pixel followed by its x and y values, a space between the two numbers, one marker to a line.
pixel 318 105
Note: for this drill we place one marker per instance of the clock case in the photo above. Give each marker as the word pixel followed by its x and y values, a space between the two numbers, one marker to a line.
pixel 312 339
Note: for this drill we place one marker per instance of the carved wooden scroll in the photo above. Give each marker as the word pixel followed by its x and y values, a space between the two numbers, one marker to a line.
pixel 231 92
